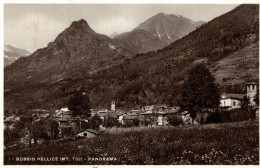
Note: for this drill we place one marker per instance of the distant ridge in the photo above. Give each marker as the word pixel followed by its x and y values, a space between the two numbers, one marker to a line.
pixel 12 53
pixel 157 32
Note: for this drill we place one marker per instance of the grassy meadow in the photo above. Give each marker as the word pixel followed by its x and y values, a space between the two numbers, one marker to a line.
pixel 234 143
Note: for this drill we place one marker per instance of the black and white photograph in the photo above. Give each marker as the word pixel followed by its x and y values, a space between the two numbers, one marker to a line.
pixel 130 83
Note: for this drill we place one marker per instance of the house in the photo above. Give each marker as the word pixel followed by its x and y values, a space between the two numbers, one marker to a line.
pixel 135 112
pixel 93 112
pixel 155 117
pixel 160 108
pixel 231 101
pixel 67 124
pixel 157 114
pixel 147 108
pixel 88 133
pixel 129 118
pixel 105 113
pixel 40 113
pixel 121 119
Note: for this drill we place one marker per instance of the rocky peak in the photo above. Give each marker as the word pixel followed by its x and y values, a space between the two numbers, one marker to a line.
pixel 160 14
pixel 72 36
pixel 81 25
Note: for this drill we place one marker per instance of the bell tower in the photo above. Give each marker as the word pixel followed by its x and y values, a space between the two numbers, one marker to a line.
pixel 113 106
pixel 251 92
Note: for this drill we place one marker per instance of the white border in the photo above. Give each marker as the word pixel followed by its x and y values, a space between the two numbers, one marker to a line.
pixel 97 2
pixel 133 1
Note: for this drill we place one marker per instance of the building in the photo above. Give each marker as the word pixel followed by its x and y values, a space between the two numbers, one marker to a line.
pixel 147 108
pixel 231 101
pixel 251 92
pixel 113 106
pixel 155 117
pixel 88 133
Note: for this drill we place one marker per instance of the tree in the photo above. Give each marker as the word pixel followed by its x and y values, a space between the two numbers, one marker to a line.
pixel 256 98
pixel 199 91
pixel 95 122
pixel 79 104
pixel 245 104
pixel 27 121
pixel 50 128
pixel 136 122
pixel 174 120
pixel 12 136
pixel 111 122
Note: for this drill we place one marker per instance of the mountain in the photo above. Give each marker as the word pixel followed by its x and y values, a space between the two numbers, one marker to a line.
pixel 113 35
pixel 139 41
pixel 229 45
pixel 12 53
pixel 76 52
pixel 170 27
pixel 157 32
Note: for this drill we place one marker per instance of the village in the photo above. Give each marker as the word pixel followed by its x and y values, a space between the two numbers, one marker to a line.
pixel 70 127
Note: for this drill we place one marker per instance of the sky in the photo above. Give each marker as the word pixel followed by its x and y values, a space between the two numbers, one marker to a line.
pixel 33 26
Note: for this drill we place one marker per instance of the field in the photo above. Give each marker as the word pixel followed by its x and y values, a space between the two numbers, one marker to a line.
pixel 229 143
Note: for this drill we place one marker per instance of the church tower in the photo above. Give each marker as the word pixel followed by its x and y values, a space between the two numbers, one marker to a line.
pixel 113 106
pixel 251 92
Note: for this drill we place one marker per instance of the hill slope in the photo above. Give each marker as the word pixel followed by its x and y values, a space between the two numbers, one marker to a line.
pixel 238 67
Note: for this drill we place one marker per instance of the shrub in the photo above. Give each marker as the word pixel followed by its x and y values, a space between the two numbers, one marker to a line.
pixel 112 122
pixel 136 122
pixel 95 122
pixel 174 120
pixel 230 116
pixel 214 118
pixel 241 115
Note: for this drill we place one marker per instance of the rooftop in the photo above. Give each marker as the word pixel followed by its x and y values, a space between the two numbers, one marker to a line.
pixel 252 83
pixel 232 95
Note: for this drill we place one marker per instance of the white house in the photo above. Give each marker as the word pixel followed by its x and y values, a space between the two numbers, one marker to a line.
pixel 231 101
pixel 147 108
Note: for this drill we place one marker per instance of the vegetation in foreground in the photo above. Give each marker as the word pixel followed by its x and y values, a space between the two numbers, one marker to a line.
pixel 228 143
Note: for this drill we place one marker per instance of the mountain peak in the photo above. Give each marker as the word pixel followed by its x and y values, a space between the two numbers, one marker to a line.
pixel 80 24
pixel 76 29
pixel 160 14
pixel 10 45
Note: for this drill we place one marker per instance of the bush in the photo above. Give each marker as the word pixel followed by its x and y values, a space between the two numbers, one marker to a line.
pixel 128 123
pixel 112 122
pixel 136 122
pixel 175 120
pixel 230 116
pixel 145 122
pixel 240 115
pixel 214 118
pixel 95 122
